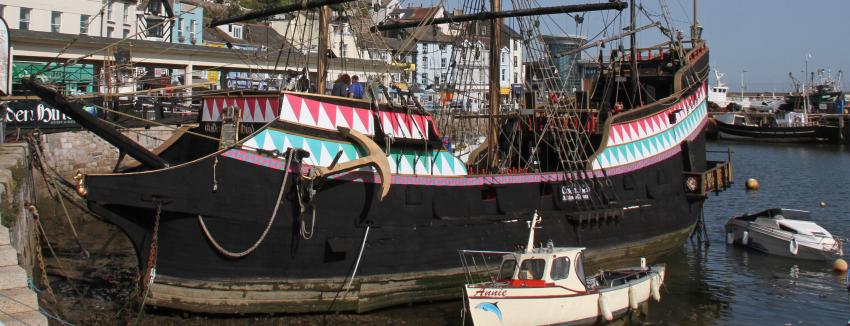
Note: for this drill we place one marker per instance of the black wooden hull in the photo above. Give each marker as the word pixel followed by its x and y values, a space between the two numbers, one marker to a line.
pixel 414 233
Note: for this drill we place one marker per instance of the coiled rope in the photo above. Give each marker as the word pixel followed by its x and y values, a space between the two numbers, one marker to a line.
pixel 251 249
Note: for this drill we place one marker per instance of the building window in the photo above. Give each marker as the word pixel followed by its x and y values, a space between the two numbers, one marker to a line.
pixel 55 21
pixel 425 62
pixel 154 28
pixel 443 63
pixel 516 78
pixel 504 58
pixel 515 61
pixel 192 29
pixel 25 19
pixel 126 13
pixel 109 31
pixel 2 10
pixel 425 79
pixel 180 28
pixel 442 47
pixel 126 33
pixel 109 11
pixel 237 32
pixel 502 76
pixel 84 24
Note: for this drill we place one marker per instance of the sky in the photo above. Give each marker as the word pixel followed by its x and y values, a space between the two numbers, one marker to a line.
pixel 767 38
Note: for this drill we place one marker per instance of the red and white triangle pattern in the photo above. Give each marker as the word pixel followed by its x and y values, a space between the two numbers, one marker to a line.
pixel 254 108
pixel 639 129
pixel 305 111
pixel 404 125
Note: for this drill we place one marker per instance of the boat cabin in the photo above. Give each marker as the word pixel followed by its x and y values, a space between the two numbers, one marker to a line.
pixel 543 267
pixel 789 220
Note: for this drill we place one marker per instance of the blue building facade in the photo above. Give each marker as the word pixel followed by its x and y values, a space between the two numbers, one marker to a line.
pixel 188 27
pixel 568 66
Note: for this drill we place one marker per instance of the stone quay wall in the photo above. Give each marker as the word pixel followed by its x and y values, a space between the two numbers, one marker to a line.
pixel 72 151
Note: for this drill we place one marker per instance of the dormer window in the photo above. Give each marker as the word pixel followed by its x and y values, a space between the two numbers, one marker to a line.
pixel 237 31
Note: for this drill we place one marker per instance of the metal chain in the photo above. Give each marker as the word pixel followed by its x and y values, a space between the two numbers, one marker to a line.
pixel 44 280
pixel 150 273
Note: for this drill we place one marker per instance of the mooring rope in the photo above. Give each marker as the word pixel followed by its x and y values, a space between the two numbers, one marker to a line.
pixel 268 226
pixel 357 264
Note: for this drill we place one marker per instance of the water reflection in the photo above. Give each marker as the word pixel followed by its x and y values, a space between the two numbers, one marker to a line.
pixel 724 284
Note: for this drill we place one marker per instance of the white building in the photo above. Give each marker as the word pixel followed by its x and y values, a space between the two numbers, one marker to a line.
pixel 103 18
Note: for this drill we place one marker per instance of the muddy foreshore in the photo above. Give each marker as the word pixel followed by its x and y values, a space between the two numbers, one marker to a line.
pixel 101 289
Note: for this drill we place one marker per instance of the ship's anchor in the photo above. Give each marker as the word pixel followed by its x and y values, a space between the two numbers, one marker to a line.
pixel 375 157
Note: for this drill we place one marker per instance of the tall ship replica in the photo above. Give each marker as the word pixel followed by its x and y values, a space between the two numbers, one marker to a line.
pixel 304 202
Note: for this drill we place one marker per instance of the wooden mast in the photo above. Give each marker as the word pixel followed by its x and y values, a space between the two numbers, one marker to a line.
pixel 494 92
pixel 696 29
pixel 633 45
pixel 322 67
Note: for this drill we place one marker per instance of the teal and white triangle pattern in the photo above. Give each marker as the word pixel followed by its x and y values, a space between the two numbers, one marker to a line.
pixel 641 149
pixel 323 151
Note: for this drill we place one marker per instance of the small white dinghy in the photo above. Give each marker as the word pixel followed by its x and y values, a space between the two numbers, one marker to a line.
pixel 545 286
pixel 783 232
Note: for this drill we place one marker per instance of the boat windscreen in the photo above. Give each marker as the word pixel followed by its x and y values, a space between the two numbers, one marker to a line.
pixel 793 214
pixel 506 272
pixel 778 213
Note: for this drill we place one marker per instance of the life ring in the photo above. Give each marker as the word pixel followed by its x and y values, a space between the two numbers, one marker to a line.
pixel 603 308
pixel 745 239
pixel 793 248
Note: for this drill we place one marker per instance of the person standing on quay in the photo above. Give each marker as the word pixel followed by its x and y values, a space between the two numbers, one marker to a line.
pixel 341 86
pixel 356 89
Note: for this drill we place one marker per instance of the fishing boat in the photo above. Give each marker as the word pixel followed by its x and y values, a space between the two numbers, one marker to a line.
pixel 547 286
pixel 305 202
pixel 783 232
pixel 772 127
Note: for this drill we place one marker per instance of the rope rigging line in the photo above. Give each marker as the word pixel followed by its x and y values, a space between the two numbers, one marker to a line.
pixel 262 237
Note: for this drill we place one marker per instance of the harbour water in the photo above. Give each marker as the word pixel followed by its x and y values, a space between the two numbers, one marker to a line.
pixel 728 285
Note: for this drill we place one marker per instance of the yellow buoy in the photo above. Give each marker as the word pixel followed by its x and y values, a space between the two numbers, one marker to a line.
pixel 752 184
pixel 840 265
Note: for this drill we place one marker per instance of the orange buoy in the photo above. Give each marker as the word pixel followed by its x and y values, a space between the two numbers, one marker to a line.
pixel 752 184
pixel 840 265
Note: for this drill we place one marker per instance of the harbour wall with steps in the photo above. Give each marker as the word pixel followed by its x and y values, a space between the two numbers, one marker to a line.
pixel 19 303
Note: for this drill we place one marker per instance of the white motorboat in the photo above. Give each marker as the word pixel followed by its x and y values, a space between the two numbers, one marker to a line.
pixel 783 232
pixel 545 286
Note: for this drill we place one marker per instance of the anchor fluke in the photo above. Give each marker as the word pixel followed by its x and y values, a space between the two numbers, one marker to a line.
pixel 375 157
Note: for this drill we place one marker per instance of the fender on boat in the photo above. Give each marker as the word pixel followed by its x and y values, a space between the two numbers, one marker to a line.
pixel 603 308
pixel 793 247
pixel 633 301
pixel 730 238
pixel 745 239
pixel 655 287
